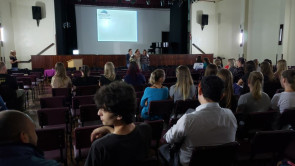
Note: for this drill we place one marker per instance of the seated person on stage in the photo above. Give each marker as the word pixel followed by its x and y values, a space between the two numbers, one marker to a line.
pixel 134 76
pixel 208 125
pixel 124 143
pixel 285 100
pixel 199 63
pixel 109 74
pixel 12 96
pixel 18 141
pixel 85 79
pixel 154 93
pixel 255 100
pixel 60 79
pixel 184 88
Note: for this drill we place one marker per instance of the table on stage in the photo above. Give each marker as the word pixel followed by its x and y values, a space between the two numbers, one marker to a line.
pixel 49 73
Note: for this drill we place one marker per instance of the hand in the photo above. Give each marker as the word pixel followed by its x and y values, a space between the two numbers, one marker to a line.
pixel 100 132
pixel 146 103
pixel 240 82
pixel 17 61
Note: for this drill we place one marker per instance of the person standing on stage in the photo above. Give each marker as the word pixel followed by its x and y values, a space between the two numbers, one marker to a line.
pixel 13 60
pixel 128 56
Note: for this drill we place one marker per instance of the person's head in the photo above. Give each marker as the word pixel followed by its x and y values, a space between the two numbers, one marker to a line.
pixel 85 71
pixel 3 69
pixel 137 53
pixel 227 78
pixel 206 60
pixel 249 67
pixel 157 76
pixel 281 65
pixel 17 127
pixel 255 82
pixel 269 61
pixel 256 63
pixel 240 62
pixel 184 81
pixel 130 51
pixel 211 69
pixel 220 60
pixel 60 70
pixel 116 103
pixel 217 62
pixel 266 70
pixel 231 63
pixel 211 89
pixel 12 53
pixel 288 79
pixel 109 71
pixel 199 59
pixel 133 70
pixel 144 52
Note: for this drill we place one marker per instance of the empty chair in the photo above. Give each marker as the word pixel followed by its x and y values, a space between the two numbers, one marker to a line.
pixel 287 118
pixel 85 90
pixel 66 92
pixel 81 143
pixel 88 115
pixel 53 102
pixel 52 142
pixel 221 155
pixel 80 100
pixel 53 117
pixel 272 143
pixel 162 108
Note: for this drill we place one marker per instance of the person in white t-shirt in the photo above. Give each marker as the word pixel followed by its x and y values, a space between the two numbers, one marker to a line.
pixel 199 63
pixel 285 100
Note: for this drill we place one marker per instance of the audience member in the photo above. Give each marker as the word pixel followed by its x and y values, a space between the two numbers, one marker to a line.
pixel 2 104
pixel 239 71
pixel 228 100
pixel 13 60
pixel 217 62
pixel 243 82
pixel 267 72
pixel 153 93
pixel 133 76
pixel 270 85
pixel 12 96
pixel 208 125
pixel 136 58
pixel 184 87
pixel 124 143
pixel 220 61
pixel 60 79
pixel 144 61
pixel 199 63
pixel 231 64
pixel 211 70
pixel 257 66
pixel 255 100
pixel 18 141
pixel 109 74
pixel 206 63
pixel 285 100
pixel 281 66
pixel 128 56
pixel 85 79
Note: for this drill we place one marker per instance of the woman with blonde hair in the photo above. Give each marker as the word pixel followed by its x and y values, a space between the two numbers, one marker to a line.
pixel 228 100
pixel 285 100
pixel 153 93
pixel 60 79
pixel 109 74
pixel 256 100
pixel 281 66
pixel 184 87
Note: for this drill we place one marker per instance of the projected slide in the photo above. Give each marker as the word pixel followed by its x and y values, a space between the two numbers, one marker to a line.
pixel 116 25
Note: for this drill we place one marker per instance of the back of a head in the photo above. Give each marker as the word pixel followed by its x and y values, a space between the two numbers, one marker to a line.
pixel 256 81
pixel 11 124
pixel 211 69
pixel 184 80
pixel 85 70
pixel 212 88
pixel 266 70
pixel 289 75
pixel 250 66
pixel 118 98
pixel 227 78
pixel 206 60
pixel 199 59
pixel 282 65
pixel 60 69
pixel 269 61
pixel 133 68
pixel 241 60
pixel 109 71
pixel 156 75
pixel 231 63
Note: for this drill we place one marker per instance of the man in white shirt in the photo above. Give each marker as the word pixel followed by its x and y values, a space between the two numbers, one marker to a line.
pixel 208 125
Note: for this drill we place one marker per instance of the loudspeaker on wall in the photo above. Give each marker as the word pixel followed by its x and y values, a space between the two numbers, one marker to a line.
pixel 36 10
pixel 205 19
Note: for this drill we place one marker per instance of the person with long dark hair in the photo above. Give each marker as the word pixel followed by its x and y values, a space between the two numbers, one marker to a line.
pixel 134 76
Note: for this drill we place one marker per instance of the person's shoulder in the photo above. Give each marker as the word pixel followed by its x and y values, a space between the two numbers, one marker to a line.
pixel 144 127
pixel 44 162
pixel 103 141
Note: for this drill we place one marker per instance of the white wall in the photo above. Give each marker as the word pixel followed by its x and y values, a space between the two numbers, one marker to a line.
pixel 290 56
pixel 151 23
pixel 22 32
pixel 207 40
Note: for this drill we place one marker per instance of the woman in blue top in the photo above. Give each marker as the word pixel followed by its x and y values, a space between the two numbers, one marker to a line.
pixel 156 92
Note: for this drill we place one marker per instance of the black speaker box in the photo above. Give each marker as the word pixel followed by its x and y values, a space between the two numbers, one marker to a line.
pixel 205 19
pixel 36 12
